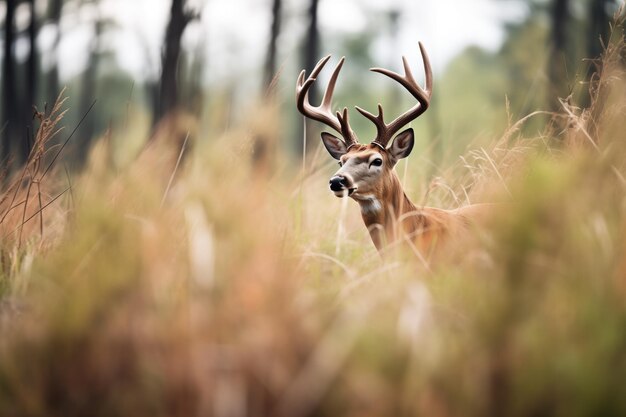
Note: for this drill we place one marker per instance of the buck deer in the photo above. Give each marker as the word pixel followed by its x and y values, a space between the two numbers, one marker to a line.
pixel 367 172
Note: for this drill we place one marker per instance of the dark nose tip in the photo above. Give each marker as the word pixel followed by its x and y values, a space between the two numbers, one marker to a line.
pixel 338 183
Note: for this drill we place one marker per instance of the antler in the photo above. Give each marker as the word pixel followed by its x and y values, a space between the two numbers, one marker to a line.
pixel 385 131
pixel 323 113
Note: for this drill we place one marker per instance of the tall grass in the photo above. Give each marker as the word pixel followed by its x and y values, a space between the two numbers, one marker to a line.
pixel 247 294
pixel 27 197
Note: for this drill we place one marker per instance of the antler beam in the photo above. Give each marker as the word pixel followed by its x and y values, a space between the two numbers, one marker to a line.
pixel 385 132
pixel 323 113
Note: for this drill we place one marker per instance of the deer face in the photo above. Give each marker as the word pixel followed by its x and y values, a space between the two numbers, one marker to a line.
pixel 366 171
pixel 363 168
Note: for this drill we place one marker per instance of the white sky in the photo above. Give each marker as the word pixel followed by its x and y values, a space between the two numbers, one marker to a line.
pixel 234 33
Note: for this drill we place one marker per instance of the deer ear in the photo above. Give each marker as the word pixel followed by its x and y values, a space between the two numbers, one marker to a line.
pixel 335 146
pixel 403 144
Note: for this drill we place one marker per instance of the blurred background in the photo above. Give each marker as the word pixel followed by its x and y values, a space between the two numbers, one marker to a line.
pixel 142 60
pixel 137 279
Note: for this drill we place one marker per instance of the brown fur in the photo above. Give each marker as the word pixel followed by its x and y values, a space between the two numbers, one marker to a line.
pixel 399 220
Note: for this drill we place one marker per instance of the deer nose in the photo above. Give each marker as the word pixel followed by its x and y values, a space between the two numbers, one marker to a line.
pixel 338 183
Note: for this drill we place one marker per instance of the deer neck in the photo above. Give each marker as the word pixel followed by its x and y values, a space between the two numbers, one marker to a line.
pixel 382 209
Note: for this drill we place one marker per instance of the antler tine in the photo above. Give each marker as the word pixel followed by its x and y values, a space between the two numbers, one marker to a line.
pixel 386 131
pixel 346 130
pixel 323 113
pixel 428 71
pixel 330 89
pixel 300 84
pixel 379 120
pixel 319 67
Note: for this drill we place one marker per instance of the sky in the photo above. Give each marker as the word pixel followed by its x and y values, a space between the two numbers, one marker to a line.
pixel 233 34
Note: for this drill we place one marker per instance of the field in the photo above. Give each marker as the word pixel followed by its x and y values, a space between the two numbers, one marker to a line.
pixel 226 283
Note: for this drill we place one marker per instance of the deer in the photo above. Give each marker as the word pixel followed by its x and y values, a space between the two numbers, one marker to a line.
pixel 367 171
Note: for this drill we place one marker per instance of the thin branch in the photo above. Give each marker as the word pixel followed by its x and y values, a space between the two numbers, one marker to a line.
pixel 40 210
pixel 71 188
pixel 17 189
pixel 13 208
pixel 19 241
pixel 67 140
pixel 495 168
pixel 169 184
pixel 48 204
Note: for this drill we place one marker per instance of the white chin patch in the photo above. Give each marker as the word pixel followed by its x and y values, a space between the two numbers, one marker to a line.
pixel 370 205
pixel 344 193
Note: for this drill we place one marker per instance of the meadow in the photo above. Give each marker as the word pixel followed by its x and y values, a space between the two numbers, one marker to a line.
pixel 201 279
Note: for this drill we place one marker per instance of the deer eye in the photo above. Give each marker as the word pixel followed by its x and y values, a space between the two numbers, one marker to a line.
pixel 376 162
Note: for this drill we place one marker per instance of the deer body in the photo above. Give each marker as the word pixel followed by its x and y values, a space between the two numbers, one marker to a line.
pixel 389 214
pixel 367 172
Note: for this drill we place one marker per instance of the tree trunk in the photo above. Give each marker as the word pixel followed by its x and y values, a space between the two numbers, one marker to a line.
pixel 168 97
pixel 270 63
pixel 310 57
pixel 598 35
pixel 9 95
pixel 557 69
pixel 89 85
pixel 598 27
pixel 31 81
pixel 52 79
pixel 311 49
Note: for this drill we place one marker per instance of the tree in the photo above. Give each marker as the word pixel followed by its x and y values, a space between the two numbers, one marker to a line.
pixel 9 105
pixel 89 84
pixel 31 77
pixel 20 81
pixel 168 93
pixel 599 17
pixel 310 57
pixel 55 8
pixel 557 70
pixel 312 41
pixel 270 63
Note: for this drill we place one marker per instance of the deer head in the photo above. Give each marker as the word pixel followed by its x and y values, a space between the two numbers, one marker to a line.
pixel 366 170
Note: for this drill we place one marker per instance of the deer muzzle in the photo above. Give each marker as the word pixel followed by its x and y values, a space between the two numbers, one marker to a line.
pixel 340 184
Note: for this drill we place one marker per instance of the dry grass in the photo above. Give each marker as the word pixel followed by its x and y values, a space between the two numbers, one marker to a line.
pixel 27 197
pixel 248 294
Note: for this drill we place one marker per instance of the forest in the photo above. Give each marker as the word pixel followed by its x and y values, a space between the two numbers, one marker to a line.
pixel 169 245
pixel 552 36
